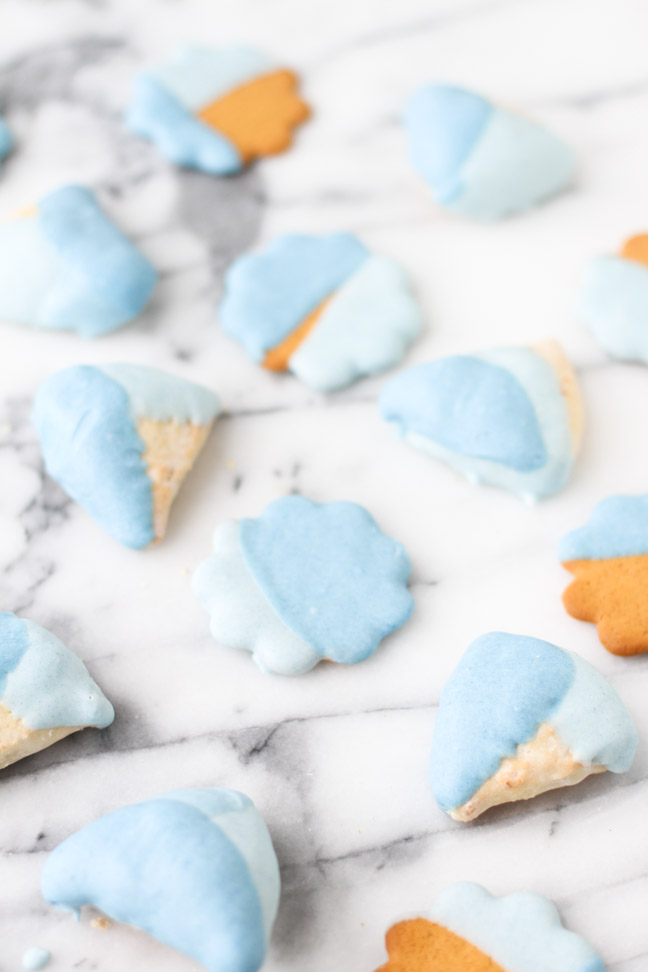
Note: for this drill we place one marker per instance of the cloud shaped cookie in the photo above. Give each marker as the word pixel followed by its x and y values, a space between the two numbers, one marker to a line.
pixel 196 869
pixel 469 930
pixel 66 265
pixel 120 439
pixel 518 717
pixel 6 139
pixel 321 307
pixel 613 302
pixel 217 110
pixel 304 582
pixel 510 417
pixel 46 692
pixel 481 161
pixel 609 560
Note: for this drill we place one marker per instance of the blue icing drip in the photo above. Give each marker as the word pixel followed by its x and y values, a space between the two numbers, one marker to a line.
pixel 443 124
pixel 91 447
pixel 268 295
pixel 13 645
pixel 164 867
pixel 503 689
pixel 330 574
pixel 617 527
pixel 468 406
pixel 6 139
pixel 108 265
pixel 155 114
pixel 614 305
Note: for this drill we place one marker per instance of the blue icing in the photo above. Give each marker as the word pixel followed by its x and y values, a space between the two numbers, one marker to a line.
pixel 35 958
pixel 157 115
pixel 503 689
pixel 157 395
pixel 197 76
pixel 6 139
pixel 90 445
pixel 268 295
pixel 613 304
pixel 443 123
pixel 43 682
pixel 107 274
pixel 165 867
pixel 330 574
pixel 617 527
pixel 469 406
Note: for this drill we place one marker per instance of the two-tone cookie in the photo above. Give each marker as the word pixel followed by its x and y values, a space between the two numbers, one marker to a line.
pixel 304 582
pixel 609 560
pixel 469 930
pixel 613 301
pixel 66 265
pixel 196 869
pixel 120 439
pixel 217 109
pixel 480 160
pixel 519 717
pixel 46 692
pixel 322 307
pixel 509 417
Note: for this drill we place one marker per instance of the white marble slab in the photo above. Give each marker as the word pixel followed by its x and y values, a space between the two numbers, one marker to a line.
pixel 336 760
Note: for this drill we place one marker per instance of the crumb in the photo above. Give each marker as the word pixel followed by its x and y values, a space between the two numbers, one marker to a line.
pixel 101 923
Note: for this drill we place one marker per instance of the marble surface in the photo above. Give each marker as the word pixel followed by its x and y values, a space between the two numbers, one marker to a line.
pixel 336 760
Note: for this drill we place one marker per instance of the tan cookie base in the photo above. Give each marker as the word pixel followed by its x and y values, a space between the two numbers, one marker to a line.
pixel 636 248
pixel 17 741
pixel 423 946
pixel 278 358
pixel 542 764
pixel 171 450
pixel 554 354
pixel 613 594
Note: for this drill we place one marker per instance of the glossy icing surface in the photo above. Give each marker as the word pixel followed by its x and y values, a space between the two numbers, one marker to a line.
pixel 194 868
pixel 158 395
pixel 522 932
pixel 613 304
pixel 44 683
pixel 617 527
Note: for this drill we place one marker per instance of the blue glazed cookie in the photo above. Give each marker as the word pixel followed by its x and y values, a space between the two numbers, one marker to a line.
pixel 518 717
pixel 304 582
pixel 120 439
pixel 481 161
pixel 196 869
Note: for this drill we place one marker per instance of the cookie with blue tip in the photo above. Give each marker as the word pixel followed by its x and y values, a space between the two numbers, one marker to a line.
pixel 480 160
pixel 66 265
pixel 322 307
pixel 6 139
pixel 510 417
pixel 304 582
pixel 194 868
pixel 46 692
pixel 519 717
pixel 470 930
pixel 613 301
pixel 120 440
pixel 217 110
pixel 608 557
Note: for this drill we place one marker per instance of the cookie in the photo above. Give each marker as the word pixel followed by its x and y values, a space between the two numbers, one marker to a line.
pixel 46 692
pixel 196 869
pixel 509 417
pixel 217 109
pixel 613 302
pixel 519 717
pixel 66 265
pixel 120 439
pixel 482 161
pixel 322 307
pixel 6 139
pixel 609 560
pixel 304 582
pixel 469 930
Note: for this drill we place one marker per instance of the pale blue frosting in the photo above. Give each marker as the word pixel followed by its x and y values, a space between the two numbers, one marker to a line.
pixel 498 417
pixel 613 303
pixel 197 76
pixel 6 139
pixel 44 683
pixel 521 932
pixel 195 869
pixel 483 162
pixel 70 267
pixel 35 958
pixel 163 397
pixel 504 688
pixel 617 527
pixel 269 294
